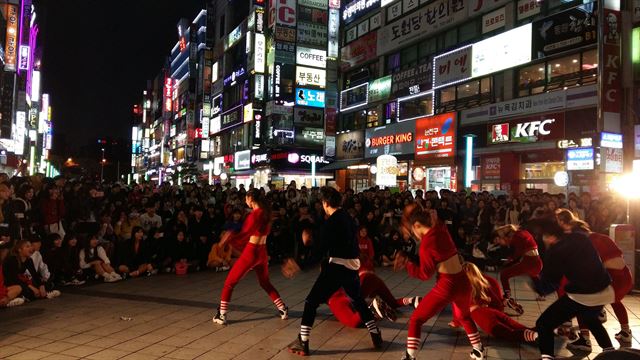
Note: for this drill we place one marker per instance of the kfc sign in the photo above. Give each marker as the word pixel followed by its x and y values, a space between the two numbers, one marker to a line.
pixel 534 128
pixel 531 129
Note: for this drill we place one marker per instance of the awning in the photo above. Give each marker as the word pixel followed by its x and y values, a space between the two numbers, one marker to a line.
pixel 342 164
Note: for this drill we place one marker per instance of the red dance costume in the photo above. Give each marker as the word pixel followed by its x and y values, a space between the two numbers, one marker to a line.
pixel 621 279
pixel 253 257
pixel 370 286
pixel 437 246
pixel 521 243
pixel 491 318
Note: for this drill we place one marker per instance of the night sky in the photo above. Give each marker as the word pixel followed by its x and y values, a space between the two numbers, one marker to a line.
pixel 97 56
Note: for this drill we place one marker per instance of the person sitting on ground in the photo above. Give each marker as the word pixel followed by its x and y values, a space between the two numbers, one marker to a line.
pixel 18 270
pixel 220 257
pixel 41 267
pixel 9 295
pixel 134 255
pixel 181 251
pixel 94 257
pixel 71 272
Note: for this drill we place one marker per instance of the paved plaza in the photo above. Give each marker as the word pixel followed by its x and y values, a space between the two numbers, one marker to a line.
pixel 171 319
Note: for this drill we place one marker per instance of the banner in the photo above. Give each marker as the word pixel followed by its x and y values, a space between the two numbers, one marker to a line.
pixel 359 51
pixel 569 29
pixel 436 136
pixel 452 67
pixel 11 46
pixel 350 145
pixel 491 168
pixel 611 81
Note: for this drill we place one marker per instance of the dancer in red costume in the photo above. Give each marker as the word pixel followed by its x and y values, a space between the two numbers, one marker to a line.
pixel 437 254
pixel 252 238
pixel 525 260
pixel 487 309
pixel 621 278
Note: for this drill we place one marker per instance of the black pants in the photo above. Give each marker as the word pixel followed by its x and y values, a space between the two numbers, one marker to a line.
pixel 565 309
pixel 333 277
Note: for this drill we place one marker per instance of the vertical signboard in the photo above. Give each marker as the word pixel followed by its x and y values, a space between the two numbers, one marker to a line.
pixel 610 84
pixel 11 46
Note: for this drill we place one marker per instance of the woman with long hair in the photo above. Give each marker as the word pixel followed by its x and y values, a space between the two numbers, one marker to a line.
pixel 437 254
pixel 487 309
pixel 525 259
pixel 253 238
pixel 621 278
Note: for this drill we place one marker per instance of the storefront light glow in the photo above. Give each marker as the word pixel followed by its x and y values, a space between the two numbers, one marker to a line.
pixel 406 98
pixel 468 171
pixel 635 46
pixel 357 105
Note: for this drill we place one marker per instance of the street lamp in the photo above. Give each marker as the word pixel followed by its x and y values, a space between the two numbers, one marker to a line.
pixel 102 166
pixel 626 186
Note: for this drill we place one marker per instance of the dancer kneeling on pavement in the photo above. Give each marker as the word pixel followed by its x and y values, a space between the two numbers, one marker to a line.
pixel 525 260
pixel 487 309
pixel 338 242
pixel 253 237
pixel 384 303
pixel 588 287
pixel 621 279
pixel 437 254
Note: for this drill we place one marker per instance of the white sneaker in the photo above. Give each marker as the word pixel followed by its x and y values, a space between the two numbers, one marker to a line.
pixel 116 276
pixel 108 278
pixel 478 354
pixel 16 302
pixel 53 294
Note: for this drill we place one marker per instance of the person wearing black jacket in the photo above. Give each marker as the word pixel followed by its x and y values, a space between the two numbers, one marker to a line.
pixel 338 243
pixel 134 255
pixel 573 256
pixel 18 269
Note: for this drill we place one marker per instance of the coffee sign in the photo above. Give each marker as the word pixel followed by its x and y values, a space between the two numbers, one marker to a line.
pixel 311 57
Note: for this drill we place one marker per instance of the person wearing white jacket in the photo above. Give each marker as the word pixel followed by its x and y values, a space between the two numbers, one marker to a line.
pixel 42 268
pixel 93 256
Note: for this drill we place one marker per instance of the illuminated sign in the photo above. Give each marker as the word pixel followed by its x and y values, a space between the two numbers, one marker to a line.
pixel 233 37
pixel 386 170
pixel 308 97
pixel 515 49
pixel 452 67
pixel 357 8
pixel 530 129
pixel 285 12
pixel 168 94
pixel 259 87
pixel 611 140
pixel 306 76
pixel 380 89
pixel 215 125
pixel 311 57
pixel 35 86
pixel 217 105
pixel 333 29
pixel 11 38
pixel 354 97
pixel 25 52
pixel 436 136
pixel 231 79
pixel 570 143
pixel 580 159
pixel 248 112
pixel 499 133
pixel 214 72
pixel 395 139
pixel 242 160
pixel 182 36
pixel 318 4
pixel 259 54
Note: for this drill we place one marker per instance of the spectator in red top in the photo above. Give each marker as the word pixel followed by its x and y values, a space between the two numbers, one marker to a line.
pixel 366 249
pixel 52 208
pixel 524 260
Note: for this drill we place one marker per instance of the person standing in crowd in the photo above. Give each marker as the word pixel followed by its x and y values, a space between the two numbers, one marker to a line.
pixel 437 254
pixel 252 238
pixel 588 287
pixel 338 242
pixel 524 260
pixel 53 211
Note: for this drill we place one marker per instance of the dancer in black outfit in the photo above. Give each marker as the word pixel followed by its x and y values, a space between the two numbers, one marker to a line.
pixel 338 243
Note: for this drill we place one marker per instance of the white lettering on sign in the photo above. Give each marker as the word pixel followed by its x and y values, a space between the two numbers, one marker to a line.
pixel 533 128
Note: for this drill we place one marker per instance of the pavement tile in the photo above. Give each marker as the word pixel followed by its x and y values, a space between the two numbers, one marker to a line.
pixel 108 354
pixel 28 355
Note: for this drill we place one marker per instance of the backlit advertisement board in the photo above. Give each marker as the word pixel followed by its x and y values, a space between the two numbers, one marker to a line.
pixel 11 45
pixel 309 97
pixel 503 51
pixel 436 136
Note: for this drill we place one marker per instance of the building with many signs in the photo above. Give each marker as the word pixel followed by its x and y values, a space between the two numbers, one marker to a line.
pixel 487 95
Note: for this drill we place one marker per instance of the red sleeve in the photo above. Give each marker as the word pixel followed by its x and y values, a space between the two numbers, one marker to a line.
pixel 521 243
pixel 427 267
pixel 605 246
pixel 495 293
pixel 239 239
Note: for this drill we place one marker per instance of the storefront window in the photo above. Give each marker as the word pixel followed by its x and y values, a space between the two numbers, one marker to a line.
pixel 426 49
pixel 393 63
pixel 563 67
pixel 416 107
pixel 468 31
pixel 448 95
pixel 391 112
pixel 465 95
pixel 469 89
pixel 540 176
pixel 438 178
pixel 409 57
pixel 353 121
pixel 567 71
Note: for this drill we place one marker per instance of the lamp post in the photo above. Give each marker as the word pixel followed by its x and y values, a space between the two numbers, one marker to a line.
pixel 102 166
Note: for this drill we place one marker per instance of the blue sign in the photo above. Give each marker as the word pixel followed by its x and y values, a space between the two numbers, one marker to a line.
pixel 308 97
pixel 580 159
pixel 611 140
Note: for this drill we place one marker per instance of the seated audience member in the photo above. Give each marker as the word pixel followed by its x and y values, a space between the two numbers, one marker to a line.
pixel 41 267
pixel 220 257
pixel 71 272
pixel 134 255
pixel 180 250
pixel 54 259
pixel 94 257
pixel 18 270
pixel 9 295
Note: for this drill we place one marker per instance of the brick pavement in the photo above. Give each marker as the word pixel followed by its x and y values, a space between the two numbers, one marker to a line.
pixel 172 320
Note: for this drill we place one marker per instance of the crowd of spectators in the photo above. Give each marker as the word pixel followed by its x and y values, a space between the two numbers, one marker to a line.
pixel 59 232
